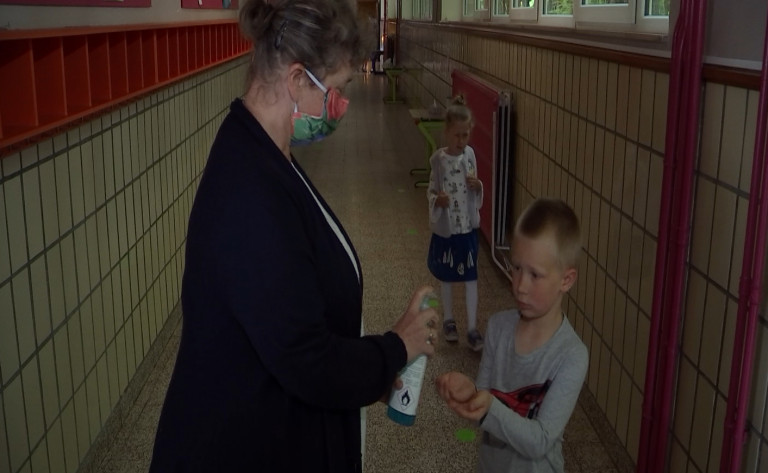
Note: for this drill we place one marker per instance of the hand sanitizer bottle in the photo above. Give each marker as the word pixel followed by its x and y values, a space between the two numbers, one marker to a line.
pixel 404 401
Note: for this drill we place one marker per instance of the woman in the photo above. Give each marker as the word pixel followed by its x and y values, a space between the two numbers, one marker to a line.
pixel 272 371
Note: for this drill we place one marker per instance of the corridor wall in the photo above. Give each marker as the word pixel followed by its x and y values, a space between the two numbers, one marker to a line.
pixel 591 130
pixel 91 257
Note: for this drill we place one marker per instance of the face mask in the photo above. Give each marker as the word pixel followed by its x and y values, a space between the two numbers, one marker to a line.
pixel 307 128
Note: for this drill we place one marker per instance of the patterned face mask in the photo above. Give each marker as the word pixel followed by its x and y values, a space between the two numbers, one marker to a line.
pixel 307 128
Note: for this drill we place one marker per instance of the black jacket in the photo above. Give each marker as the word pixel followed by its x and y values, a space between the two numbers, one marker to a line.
pixel 271 371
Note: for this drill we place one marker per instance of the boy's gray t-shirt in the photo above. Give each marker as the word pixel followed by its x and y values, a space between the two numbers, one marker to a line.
pixel 524 432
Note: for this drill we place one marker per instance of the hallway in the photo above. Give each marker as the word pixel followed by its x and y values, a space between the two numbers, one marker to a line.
pixel 362 171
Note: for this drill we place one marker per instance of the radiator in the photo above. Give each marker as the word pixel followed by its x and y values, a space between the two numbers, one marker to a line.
pixel 492 139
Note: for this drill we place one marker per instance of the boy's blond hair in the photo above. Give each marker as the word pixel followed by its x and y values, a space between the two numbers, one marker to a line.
pixel 553 215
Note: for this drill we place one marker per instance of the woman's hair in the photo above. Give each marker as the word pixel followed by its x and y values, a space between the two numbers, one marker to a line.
pixel 555 217
pixel 458 111
pixel 322 35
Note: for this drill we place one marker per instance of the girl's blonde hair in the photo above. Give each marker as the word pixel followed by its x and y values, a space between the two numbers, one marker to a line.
pixel 458 111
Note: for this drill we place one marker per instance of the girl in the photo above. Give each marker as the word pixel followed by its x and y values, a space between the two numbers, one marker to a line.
pixel 455 196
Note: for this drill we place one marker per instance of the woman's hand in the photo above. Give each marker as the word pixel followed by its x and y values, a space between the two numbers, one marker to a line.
pixel 442 200
pixel 461 395
pixel 474 183
pixel 416 327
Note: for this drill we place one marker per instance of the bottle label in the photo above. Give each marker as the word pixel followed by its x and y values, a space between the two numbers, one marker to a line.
pixel 406 399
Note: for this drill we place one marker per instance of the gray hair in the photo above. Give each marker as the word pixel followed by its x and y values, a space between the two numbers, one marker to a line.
pixel 320 34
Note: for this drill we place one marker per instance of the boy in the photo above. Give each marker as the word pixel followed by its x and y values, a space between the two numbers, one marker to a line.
pixel 534 364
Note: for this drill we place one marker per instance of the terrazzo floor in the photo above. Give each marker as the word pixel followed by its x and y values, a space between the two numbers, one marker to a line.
pixel 363 172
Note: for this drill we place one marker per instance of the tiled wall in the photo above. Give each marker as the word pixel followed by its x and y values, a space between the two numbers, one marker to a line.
pixel 92 232
pixel 592 132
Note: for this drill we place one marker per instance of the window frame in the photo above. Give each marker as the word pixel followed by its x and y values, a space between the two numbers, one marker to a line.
pixel 617 18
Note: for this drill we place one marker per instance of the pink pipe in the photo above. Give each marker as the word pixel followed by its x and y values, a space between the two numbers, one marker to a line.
pixel 684 96
pixel 753 266
pixel 696 12
pixel 647 427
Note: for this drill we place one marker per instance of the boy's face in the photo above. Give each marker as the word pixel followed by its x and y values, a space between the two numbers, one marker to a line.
pixel 538 280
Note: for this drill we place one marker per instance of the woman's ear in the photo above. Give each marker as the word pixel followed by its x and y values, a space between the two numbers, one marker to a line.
pixel 296 79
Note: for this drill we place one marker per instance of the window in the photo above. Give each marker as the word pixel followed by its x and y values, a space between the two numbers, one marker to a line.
pixel 609 15
pixel 418 9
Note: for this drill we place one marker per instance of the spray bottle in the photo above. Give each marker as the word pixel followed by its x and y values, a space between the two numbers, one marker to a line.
pixel 404 401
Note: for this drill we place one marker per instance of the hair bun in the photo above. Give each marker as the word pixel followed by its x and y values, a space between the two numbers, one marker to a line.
pixel 459 100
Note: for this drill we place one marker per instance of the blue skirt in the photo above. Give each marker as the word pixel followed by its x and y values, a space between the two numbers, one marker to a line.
pixel 453 259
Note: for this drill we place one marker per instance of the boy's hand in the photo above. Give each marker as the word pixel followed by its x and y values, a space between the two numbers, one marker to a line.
pixel 474 183
pixel 461 395
pixel 442 200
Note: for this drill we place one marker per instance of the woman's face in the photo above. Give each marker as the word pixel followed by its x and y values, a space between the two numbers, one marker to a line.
pixel 313 104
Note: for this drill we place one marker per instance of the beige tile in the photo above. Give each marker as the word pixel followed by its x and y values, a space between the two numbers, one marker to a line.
pixel 712 118
pixel 87 331
pixel 32 212
pixel 614 394
pixel 734 112
pixel 81 421
pixel 645 117
pixel 89 179
pixel 722 236
pixel 653 200
pixel 605 378
pixel 684 402
pixel 624 403
pixel 696 294
pixel 619 323
pixel 726 353
pixel 702 224
pixel 14 214
pixel 648 274
pixel 592 90
pixel 15 423
pixel 641 356
pixel 630 191
pixel 77 364
pixel 69 432
pixel 588 147
pixel 49 389
pixel 39 460
pixel 22 311
pixel 92 397
pixel 660 104
pixel 584 84
pixel 678 458
pixel 81 262
pixel 69 269
pixel 598 157
pixel 76 186
pixel 702 420
pixel 642 178
pixel 623 89
pixel 739 227
pixel 634 102
pixel 748 150
pixel 609 160
pixel 712 332
pixel 5 260
pixel 630 342
pixel 56 285
pixel 619 173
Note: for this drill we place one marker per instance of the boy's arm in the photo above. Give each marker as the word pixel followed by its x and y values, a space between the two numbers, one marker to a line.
pixel 533 438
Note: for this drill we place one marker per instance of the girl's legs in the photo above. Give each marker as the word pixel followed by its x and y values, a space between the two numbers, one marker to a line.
pixel 474 338
pixel 449 325
pixel 471 292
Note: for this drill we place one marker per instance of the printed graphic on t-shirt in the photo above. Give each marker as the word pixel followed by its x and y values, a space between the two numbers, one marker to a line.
pixel 525 401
